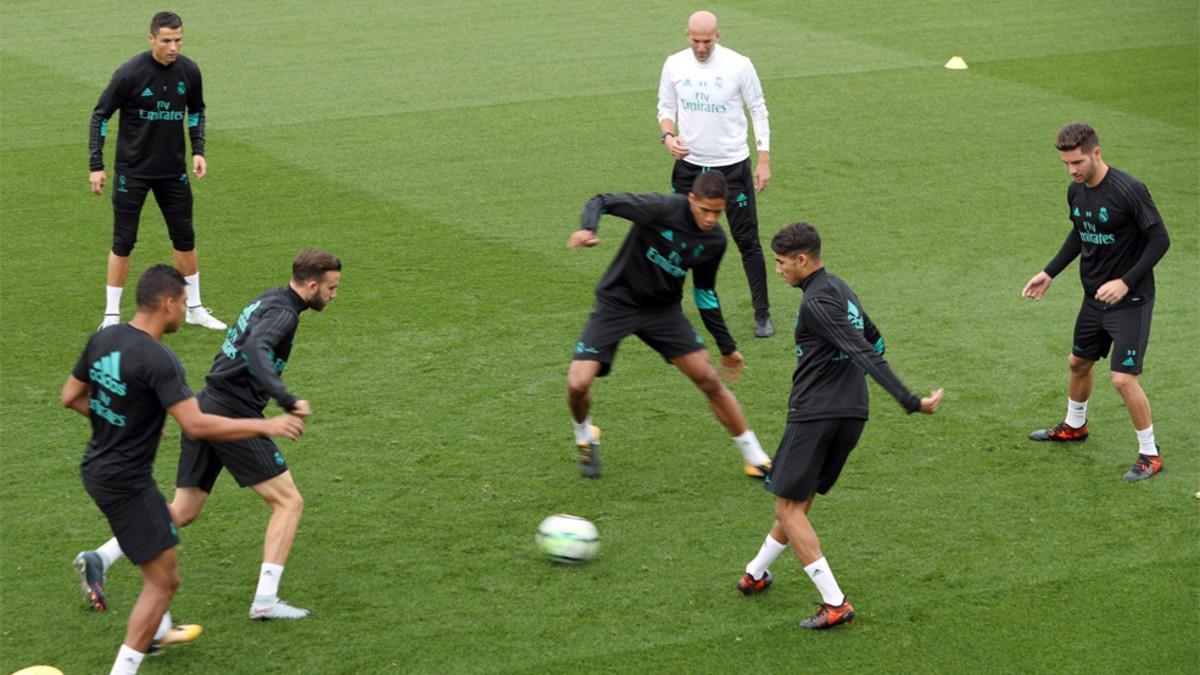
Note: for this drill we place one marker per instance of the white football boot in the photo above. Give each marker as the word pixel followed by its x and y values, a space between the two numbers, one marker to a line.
pixel 277 609
pixel 200 316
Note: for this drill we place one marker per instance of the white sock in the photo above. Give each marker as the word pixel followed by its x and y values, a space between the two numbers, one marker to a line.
pixel 113 295
pixel 1076 413
pixel 128 661
pixel 766 555
pixel 751 450
pixel 1146 444
pixel 110 552
pixel 822 576
pixel 163 626
pixel 583 430
pixel 268 582
pixel 193 289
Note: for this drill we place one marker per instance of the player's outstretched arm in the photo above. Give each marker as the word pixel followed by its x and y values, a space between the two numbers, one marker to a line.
pixel 1037 286
pixel 75 395
pixel 930 403
pixel 201 425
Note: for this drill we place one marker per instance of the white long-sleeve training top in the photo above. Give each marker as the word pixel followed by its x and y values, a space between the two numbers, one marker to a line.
pixel 706 99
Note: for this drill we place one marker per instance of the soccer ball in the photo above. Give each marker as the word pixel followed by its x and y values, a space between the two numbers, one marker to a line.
pixel 568 539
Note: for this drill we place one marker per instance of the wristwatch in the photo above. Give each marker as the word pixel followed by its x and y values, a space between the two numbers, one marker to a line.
pixel 665 134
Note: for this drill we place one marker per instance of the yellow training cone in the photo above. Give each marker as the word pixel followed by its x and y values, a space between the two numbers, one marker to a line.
pixel 39 670
pixel 956 63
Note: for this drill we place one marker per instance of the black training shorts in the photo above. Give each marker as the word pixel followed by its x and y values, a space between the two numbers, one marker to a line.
pixel 174 197
pixel 665 329
pixel 250 461
pixel 138 518
pixel 1126 329
pixel 811 456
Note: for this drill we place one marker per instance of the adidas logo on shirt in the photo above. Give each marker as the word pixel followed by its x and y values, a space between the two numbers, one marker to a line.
pixel 147 92
pixel 106 371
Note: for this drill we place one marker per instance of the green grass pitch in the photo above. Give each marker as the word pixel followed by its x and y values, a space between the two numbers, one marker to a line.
pixel 444 150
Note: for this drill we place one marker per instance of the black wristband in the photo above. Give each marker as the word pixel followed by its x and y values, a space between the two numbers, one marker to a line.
pixel 663 139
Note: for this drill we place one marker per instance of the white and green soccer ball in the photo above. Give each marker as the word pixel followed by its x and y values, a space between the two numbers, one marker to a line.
pixel 568 539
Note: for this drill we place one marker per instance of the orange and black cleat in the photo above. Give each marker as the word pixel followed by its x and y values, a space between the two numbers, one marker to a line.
pixel 91 578
pixel 1145 467
pixel 830 616
pixel 1061 432
pixel 748 585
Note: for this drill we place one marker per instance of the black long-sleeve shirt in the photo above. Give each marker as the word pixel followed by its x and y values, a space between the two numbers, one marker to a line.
pixel 155 101
pixel 663 244
pixel 246 372
pixel 1118 233
pixel 836 345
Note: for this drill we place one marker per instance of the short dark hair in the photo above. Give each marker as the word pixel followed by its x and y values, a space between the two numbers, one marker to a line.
pixel 796 238
pixel 158 283
pixel 312 264
pixel 165 20
pixel 1077 135
pixel 710 185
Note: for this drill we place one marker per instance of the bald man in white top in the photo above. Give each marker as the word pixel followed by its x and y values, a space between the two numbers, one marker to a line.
pixel 704 89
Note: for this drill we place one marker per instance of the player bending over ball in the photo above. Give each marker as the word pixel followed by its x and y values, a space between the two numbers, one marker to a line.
pixel 640 294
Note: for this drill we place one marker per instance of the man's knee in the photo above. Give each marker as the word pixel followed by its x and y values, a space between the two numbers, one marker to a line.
pixel 185 507
pixel 709 383
pixel 1125 382
pixel 577 386
pixel 285 497
pixel 746 238
pixel 162 574
pixel 784 508
pixel 183 235
pixel 1079 366
pixel 295 502
pixel 787 509
pixel 579 380
pixel 125 231
pixel 183 515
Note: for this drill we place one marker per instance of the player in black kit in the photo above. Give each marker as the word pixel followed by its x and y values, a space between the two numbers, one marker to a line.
pixel 157 92
pixel 1118 236
pixel 245 376
pixel 836 346
pixel 640 294
pixel 125 382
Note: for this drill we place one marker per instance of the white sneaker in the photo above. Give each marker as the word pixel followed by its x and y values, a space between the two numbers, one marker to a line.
pixel 200 316
pixel 109 320
pixel 277 610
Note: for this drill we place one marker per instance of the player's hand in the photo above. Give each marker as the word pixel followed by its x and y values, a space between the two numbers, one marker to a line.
pixel 730 369
pixel 1037 286
pixel 97 179
pixel 930 403
pixel 199 166
pixel 1112 292
pixel 677 147
pixel 286 426
pixel 301 409
pixel 762 175
pixel 583 239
